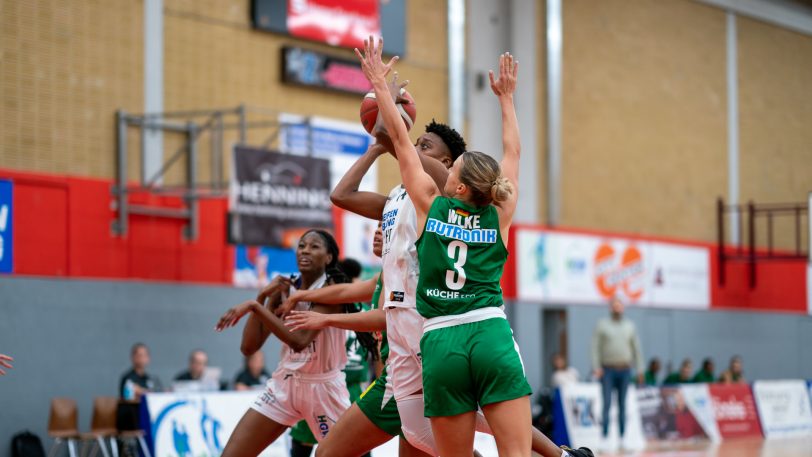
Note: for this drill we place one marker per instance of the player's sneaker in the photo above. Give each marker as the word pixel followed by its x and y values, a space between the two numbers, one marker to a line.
pixel 580 452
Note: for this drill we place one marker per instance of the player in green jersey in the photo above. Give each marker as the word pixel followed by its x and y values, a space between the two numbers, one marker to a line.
pixel 470 360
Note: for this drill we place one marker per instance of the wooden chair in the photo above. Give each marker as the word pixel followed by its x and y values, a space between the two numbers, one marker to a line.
pixel 103 426
pixel 63 425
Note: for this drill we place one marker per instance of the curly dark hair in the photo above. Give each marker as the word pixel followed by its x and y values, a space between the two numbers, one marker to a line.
pixel 452 139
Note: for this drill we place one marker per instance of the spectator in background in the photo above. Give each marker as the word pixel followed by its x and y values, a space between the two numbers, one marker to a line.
pixel 137 381
pixel 197 365
pixel 615 350
pixel 351 268
pixel 683 376
pixel 253 374
pixel 650 379
pixel 563 374
pixel 735 372
pixel 4 362
pixel 705 374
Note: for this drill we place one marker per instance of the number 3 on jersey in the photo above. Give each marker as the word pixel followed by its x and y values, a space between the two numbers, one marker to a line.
pixel 457 251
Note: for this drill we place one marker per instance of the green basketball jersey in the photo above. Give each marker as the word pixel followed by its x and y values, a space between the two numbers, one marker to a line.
pixel 461 256
pixel 380 336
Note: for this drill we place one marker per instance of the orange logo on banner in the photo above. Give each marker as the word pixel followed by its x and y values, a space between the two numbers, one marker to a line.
pixel 609 275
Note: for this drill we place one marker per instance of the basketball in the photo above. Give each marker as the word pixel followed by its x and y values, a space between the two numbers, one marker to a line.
pixel 369 110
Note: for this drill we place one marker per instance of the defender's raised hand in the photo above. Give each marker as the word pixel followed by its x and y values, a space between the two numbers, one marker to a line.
pixel 505 84
pixel 371 60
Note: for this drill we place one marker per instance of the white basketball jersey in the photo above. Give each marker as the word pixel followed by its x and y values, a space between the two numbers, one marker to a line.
pixel 400 266
pixel 325 354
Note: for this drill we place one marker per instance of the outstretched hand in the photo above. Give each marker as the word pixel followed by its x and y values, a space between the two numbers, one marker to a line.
pixel 505 84
pixel 306 320
pixel 289 303
pixel 396 91
pixel 233 315
pixel 371 61
pixel 4 362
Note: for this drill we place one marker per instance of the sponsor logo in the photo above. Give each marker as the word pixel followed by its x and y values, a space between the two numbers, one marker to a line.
pixel 397 296
pixel 268 398
pixel 583 411
pixel 324 427
pixel 615 272
pixel 733 410
pixel 447 294
pixel 456 232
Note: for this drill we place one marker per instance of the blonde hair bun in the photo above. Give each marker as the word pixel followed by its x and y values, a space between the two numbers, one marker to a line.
pixel 501 189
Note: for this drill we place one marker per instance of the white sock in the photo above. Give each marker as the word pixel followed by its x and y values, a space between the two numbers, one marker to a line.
pixel 564 453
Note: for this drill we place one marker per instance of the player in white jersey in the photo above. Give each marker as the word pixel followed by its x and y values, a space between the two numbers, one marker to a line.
pixel 308 383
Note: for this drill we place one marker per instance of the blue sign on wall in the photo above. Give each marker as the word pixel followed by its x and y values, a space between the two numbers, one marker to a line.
pixel 6 232
pixel 326 141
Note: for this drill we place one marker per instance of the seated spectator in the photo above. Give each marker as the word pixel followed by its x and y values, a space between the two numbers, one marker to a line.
pixel 650 378
pixel 137 381
pixel 705 374
pixel 683 376
pixel 254 374
pixel 735 373
pixel 197 365
pixel 562 373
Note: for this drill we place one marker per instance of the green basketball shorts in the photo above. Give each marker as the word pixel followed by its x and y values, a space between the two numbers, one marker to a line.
pixel 385 416
pixel 470 365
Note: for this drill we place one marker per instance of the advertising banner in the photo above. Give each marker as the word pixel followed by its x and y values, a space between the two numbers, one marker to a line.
pixel 783 407
pixel 582 408
pixel 199 424
pixel 6 226
pixel 336 22
pixel 275 197
pixel 735 410
pixel 341 143
pixel 315 69
pixel 256 266
pixel 345 23
pixel 575 268
pixel 677 413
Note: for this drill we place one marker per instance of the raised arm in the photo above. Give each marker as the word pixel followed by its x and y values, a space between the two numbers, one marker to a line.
pixel 436 169
pixel 503 87
pixel 346 194
pixel 336 294
pixel 369 321
pixel 296 340
pixel 255 333
pixel 419 185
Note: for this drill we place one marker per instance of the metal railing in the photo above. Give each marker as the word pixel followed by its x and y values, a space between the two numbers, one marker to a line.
pixel 191 126
pixel 749 251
